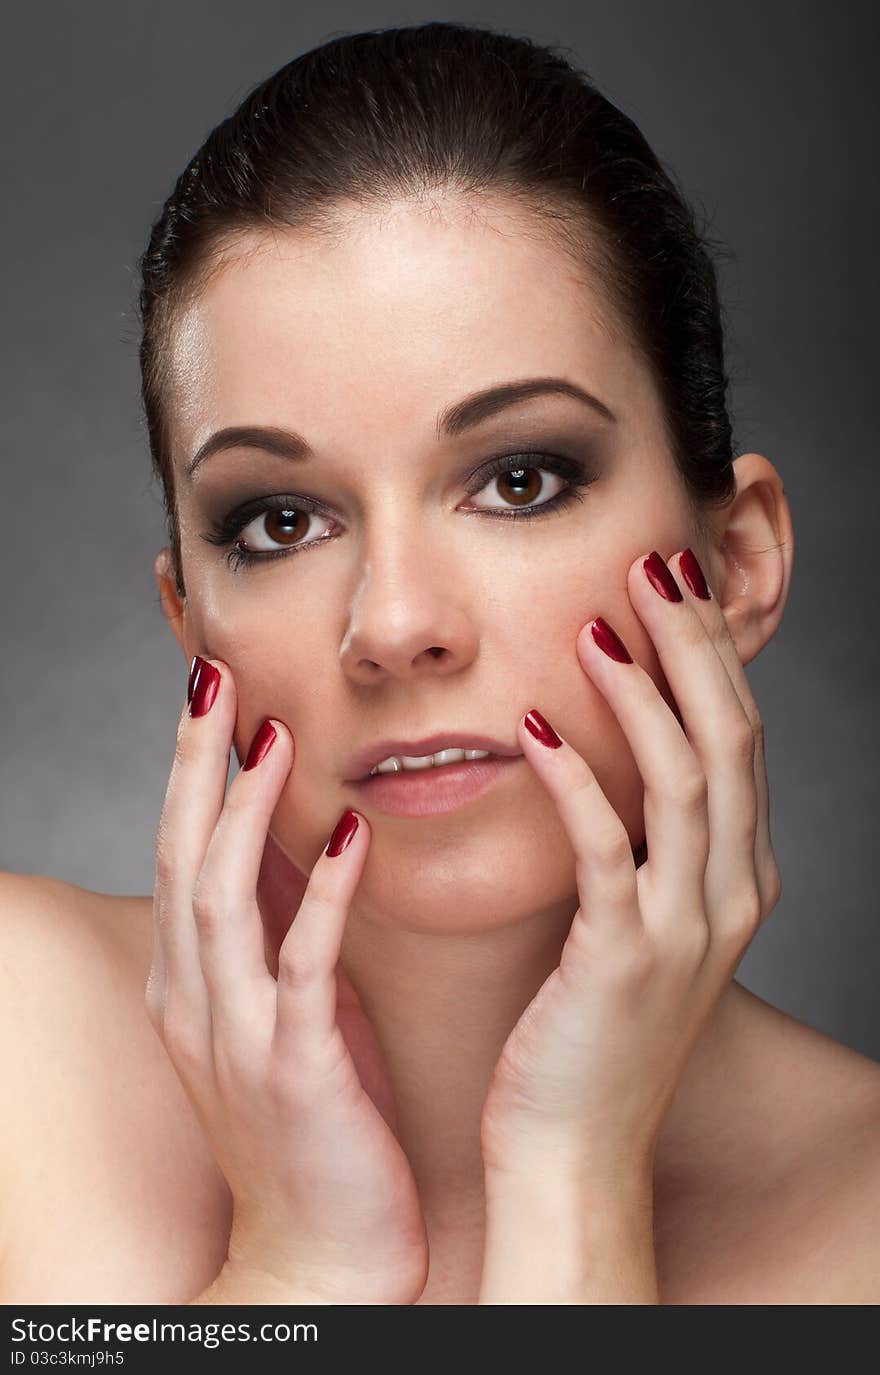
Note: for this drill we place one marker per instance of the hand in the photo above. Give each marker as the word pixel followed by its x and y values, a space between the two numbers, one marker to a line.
pixel 589 1071
pixel 324 1200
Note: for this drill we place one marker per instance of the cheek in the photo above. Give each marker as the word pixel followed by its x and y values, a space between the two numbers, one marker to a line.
pixel 272 666
pixel 303 821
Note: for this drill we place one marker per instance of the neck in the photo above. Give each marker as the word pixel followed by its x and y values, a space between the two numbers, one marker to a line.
pixel 442 1006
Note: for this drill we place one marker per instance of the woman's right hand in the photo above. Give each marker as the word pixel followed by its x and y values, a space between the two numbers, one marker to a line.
pixel 324 1199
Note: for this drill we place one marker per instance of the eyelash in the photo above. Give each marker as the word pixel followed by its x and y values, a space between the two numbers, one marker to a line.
pixel 224 532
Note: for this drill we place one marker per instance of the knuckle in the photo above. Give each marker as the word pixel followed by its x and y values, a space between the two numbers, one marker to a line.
pixel 232 1065
pixel 688 789
pixel 750 911
pixel 281 1094
pixel 165 861
pixel 742 923
pixel 611 846
pixel 164 871
pixel 741 740
pixel 688 943
pixel 297 970
pixel 181 1037
pixel 206 909
pixel 633 963
pixel 624 965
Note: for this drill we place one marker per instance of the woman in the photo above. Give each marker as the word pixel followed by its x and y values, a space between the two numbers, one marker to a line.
pixel 485 1044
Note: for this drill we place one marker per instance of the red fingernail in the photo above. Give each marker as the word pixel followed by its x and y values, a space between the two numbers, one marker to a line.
pixel 693 575
pixel 660 578
pixel 342 834
pixel 610 641
pixel 541 729
pixel 260 745
pixel 204 689
pixel 193 675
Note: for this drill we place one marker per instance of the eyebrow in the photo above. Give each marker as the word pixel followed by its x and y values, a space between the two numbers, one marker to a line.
pixel 453 421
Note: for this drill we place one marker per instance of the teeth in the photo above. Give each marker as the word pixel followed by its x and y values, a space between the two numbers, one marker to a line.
pixel 403 763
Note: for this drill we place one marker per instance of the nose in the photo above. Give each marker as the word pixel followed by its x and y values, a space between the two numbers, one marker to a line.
pixel 410 618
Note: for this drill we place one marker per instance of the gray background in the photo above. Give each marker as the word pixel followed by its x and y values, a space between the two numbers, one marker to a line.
pixel 768 115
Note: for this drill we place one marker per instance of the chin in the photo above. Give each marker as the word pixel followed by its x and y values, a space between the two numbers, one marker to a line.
pixel 464 890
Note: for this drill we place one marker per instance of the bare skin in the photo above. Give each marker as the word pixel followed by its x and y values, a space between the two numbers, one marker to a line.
pixel 110 1193
pixel 765 1177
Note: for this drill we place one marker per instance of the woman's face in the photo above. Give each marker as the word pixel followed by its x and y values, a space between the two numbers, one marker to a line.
pixel 358 346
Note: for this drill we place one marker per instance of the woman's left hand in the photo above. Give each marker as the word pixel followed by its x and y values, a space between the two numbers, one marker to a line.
pixel 586 1076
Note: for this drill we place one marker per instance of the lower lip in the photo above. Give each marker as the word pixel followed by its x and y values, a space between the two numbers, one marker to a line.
pixel 427 792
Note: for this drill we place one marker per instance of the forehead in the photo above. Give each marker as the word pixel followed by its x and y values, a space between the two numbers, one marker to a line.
pixel 384 321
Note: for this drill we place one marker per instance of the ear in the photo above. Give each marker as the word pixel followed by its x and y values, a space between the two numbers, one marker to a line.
pixel 174 608
pixel 753 556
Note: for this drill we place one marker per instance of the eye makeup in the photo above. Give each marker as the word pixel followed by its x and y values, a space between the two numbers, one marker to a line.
pixel 224 530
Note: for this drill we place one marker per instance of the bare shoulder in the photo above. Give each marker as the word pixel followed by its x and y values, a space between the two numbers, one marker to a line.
pixel 831 1210
pixel 103 1159
pixel 51 921
pixel 836 1192
pixel 71 962
pixel 798 1218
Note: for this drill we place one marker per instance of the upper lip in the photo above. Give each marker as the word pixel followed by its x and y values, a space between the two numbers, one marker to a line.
pixel 360 763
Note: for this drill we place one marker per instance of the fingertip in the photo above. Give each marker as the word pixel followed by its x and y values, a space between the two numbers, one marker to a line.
pixel 343 832
pixel 205 682
pixel 282 731
pixel 539 728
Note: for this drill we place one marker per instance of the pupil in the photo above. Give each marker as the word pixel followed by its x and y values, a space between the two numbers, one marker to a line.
pixel 283 523
pixel 520 484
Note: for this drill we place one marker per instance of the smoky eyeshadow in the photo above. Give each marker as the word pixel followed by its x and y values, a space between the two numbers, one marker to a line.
pixel 234 479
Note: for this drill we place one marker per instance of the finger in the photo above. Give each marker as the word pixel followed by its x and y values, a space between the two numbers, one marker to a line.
pixel 604 863
pixel 306 988
pixel 230 928
pixel 715 791
pixel 698 592
pixel 155 993
pixel 675 805
pixel 193 801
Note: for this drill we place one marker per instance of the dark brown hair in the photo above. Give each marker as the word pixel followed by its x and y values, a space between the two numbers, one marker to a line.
pixel 372 117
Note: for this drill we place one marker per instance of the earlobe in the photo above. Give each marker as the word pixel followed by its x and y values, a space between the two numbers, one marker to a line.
pixel 756 549
pixel 173 607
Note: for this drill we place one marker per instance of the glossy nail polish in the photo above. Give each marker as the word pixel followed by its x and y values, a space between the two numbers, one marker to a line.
pixel 193 675
pixel 204 689
pixel 610 641
pixel 693 575
pixel 658 575
pixel 260 746
pixel 342 833
pixel 541 729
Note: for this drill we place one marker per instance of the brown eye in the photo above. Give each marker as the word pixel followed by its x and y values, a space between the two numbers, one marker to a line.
pixel 284 528
pixel 286 522
pixel 522 486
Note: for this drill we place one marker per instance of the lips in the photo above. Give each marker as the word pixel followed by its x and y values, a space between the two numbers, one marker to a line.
pixel 360 763
pixel 420 793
